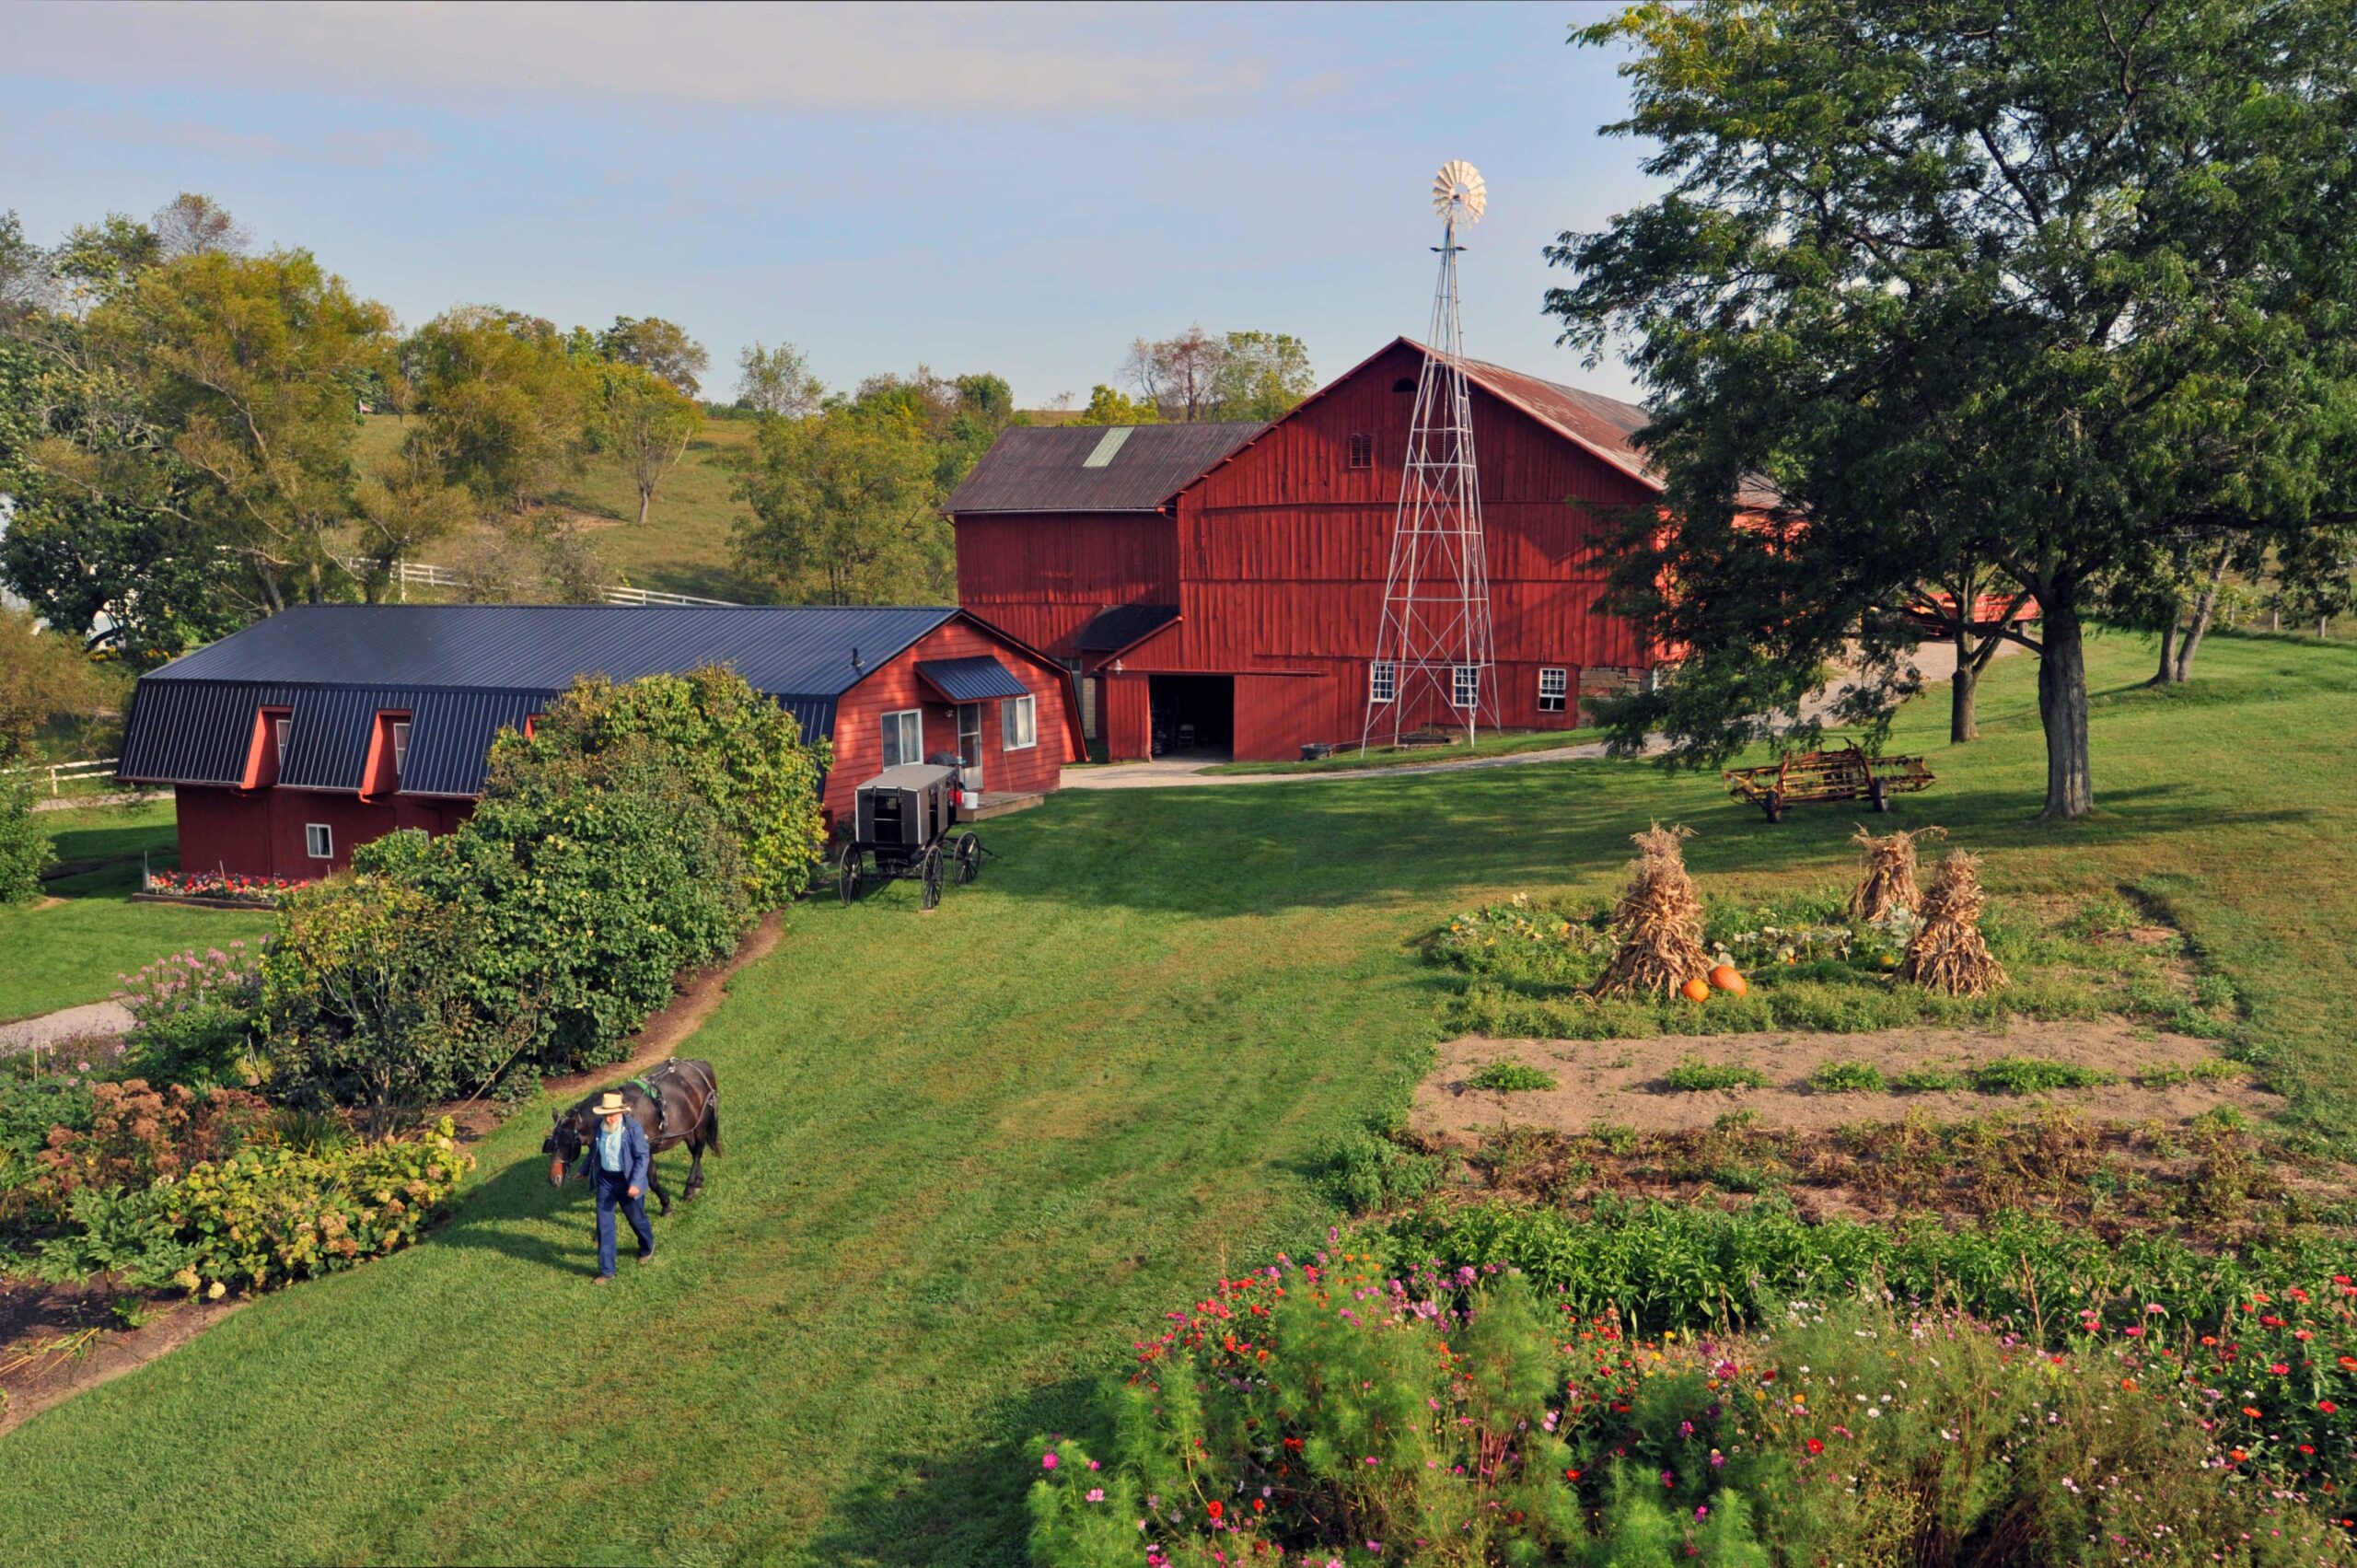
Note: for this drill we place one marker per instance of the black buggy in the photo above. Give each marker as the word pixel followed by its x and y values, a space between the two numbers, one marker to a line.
pixel 906 827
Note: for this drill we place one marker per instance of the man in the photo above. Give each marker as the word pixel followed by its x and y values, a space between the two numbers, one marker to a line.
pixel 618 1160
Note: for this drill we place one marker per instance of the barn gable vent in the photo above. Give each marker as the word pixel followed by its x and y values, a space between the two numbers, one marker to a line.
pixel 1101 455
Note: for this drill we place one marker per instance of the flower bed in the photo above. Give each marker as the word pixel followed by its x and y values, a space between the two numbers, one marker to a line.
pixel 218 886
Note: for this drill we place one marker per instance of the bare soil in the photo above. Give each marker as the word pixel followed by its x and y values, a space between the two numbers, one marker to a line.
pixel 1620 1082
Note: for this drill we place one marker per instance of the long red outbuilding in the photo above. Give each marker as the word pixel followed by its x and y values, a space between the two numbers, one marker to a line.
pixel 327 725
pixel 1220 587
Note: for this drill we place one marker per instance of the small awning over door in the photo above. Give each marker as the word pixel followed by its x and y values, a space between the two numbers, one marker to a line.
pixel 972 679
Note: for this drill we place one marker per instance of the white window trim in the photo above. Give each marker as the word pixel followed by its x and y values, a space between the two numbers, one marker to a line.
pixel 1457 682
pixel 1561 695
pixel 315 834
pixel 279 730
pixel 1029 708
pixel 1389 673
pixel 892 721
pixel 401 748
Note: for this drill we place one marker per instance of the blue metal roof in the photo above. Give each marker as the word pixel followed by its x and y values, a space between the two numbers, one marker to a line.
pixel 972 679
pixel 462 671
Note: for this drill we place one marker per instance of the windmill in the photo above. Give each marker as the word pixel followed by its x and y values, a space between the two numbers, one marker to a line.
pixel 1433 653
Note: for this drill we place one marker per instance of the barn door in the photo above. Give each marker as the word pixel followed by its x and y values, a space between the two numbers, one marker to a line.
pixel 969 743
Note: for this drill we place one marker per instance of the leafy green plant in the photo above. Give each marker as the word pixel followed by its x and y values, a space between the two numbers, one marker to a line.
pixel 25 848
pixel 1848 1077
pixel 1692 1073
pixel 2209 1070
pixel 1929 1080
pixel 1507 1077
pixel 2030 1075
pixel 1369 1172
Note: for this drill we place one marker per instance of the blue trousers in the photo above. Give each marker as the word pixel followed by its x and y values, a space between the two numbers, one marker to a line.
pixel 612 1193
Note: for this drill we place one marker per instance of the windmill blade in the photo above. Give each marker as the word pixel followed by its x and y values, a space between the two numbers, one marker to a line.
pixel 1457 188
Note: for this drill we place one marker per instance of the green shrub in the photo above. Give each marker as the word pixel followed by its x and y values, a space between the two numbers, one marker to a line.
pixel 1506 1077
pixel 25 848
pixel 1929 1080
pixel 1692 1073
pixel 1847 1078
pixel 193 1016
pixel 1367 1172
pixel 261 1217
pixel 2030 1075
pixel 2209 1070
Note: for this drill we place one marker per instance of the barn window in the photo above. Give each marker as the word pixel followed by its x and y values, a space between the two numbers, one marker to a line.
pixel 319 841
pixel 278 729
pixel 1382 682
pixel 1019 719
pixel 1405 384
pixel 1465 685
pixel 1362 451
pixel 401 749
pixel 903 737
pixel 1552 685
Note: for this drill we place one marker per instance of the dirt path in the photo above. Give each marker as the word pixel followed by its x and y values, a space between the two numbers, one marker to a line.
pixel 103 1019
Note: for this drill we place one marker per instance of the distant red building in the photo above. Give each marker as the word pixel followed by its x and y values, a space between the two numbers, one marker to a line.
pixel 1222 585
pixel 328 725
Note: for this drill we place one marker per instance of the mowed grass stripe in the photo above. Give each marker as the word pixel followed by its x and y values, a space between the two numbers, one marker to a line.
pixel 972 1155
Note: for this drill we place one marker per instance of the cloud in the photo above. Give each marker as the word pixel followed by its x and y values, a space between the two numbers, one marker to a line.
pixel 928 59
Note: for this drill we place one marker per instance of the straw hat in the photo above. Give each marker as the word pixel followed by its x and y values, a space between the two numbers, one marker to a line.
pixel 610 1103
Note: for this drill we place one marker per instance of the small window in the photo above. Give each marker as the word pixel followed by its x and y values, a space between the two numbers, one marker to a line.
pixel 903 737
pixel 1405 384
pixel 1362 451
pixel 1019 719
pixel 401 749
pixel 1382 682
pixel 1465 685
pixel 279 728
pixel 318 841
pixel 1552 685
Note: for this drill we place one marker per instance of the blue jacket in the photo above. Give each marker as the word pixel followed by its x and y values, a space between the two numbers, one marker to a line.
pixel 637 1158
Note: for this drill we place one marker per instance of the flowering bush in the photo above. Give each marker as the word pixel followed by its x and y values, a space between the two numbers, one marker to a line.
pixel 138 1133
pixel 194 1014
pixel 1329 1413
pixel 260 892
pixel 263 1216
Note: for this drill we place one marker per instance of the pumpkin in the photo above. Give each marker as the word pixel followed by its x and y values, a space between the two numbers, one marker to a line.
pixel 1729 980
pixel 1697 990
pixel 1889 961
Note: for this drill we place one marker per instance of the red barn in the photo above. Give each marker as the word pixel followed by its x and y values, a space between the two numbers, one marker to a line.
pixel 328 725
pixel 1220 585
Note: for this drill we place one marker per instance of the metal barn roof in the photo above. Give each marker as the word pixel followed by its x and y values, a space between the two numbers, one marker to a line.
pixel 1093 468
pixel 462 671
pixel 1113 628
pixel 975 679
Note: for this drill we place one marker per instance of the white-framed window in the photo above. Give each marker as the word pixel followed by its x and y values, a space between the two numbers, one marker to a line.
pixel 1018 722
pixel 401 749
pixel 1362 451
pixel 1553 686
pixel 903 737
pixel 279 728
pixel 1382 682
pixel 1465 685
pixel 318 841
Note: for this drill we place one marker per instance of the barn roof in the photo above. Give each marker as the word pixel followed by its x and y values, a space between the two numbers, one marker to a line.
pixel 461 671
pixel 1093 468
pixel 1118 627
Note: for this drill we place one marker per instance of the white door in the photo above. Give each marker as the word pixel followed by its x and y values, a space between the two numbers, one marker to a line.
pixel 969 743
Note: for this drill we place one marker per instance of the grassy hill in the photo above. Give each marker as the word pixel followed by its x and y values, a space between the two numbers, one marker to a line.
pixel 972 1155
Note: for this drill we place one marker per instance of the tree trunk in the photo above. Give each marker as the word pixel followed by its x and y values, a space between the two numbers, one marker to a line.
pixel 2203 609
pixel 1963 695
pixel 2166 675
pixel 646 499
pixel 2063 705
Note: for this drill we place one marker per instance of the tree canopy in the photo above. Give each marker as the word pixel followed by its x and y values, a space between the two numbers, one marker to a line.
pixel 2040 291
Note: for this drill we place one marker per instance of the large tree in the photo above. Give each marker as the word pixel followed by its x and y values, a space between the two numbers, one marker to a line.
pixel 644 424
pixel 1237 376
pixel 2040 288
pixel 846 509
pixel 777 381
pixel 499 402
pixel 662 348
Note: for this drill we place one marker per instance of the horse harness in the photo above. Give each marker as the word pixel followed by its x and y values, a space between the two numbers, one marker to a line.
pixel 650 1083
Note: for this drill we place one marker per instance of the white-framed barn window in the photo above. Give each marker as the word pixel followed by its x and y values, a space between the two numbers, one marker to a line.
pixel 903 737
pixel 279 731
pixel 1382 682
pixel 401 749
pixel 1465 685
pixel 318 841
pixel 1554 685
pixel 1019 719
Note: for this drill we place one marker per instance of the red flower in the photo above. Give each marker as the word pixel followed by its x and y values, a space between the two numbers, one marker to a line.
pixel 1815 1447
pixel 1217 1507
pixel 2327 1406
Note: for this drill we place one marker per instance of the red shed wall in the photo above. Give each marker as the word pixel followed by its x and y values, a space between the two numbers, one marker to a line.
pixel 859 730
pixel 260 832
pixel 1041 576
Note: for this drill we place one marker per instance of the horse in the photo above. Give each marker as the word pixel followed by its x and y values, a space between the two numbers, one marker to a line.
pixel 676 1102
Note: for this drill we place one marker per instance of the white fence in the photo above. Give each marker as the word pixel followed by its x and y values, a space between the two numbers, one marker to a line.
pixel 426 576
pixel 70 771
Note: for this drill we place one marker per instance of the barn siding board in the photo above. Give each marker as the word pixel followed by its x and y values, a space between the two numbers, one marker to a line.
pixel 1043 577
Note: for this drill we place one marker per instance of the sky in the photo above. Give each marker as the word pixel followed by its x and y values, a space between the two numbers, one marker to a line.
pixel 1021 189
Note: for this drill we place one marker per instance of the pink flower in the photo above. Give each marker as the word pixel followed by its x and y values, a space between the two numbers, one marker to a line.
pixel 1047 1461
pixel 1096 1494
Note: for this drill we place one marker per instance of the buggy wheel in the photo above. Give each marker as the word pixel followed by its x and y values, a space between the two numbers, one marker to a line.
pixel 930 874
pixel 1878 794
pixel 1772 803
pixel 969 858
pixel 847 884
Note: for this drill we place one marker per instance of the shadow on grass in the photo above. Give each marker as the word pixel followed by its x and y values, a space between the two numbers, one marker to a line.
pixel 508 1215
pixel 959 1507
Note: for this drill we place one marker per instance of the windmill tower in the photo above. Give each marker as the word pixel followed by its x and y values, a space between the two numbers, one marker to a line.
pixel 1433 653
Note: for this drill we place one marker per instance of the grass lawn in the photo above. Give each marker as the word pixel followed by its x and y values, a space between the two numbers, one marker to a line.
pixel 67 948
pixel 972 1155
pixel 1351 762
